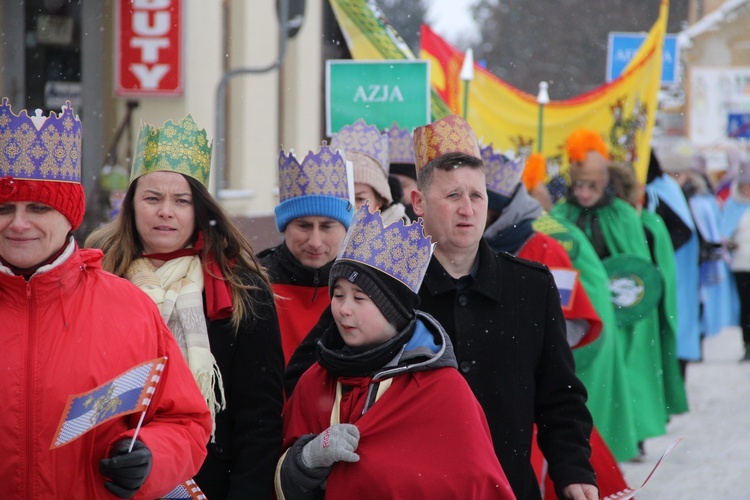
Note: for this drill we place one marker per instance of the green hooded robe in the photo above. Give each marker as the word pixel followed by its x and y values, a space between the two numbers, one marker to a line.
pixel 622 232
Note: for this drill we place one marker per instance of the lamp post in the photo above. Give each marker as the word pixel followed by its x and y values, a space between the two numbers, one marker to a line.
pixel 467 75
pixel 542 98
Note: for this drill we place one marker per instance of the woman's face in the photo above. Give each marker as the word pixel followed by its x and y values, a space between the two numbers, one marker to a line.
pixel 30 233
pixel 164 212
pixel 364 192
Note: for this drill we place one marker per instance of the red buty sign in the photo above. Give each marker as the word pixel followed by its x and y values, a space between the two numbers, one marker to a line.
pixel 148 48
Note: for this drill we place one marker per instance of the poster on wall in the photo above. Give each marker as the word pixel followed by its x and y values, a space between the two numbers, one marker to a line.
pixel 148 48
pixel 719 104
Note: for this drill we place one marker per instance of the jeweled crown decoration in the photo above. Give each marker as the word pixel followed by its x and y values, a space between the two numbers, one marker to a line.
pixel 365 139
pixel 43 148
pixel 176 147
pixel 451 134
pixel 322 173
pixel 400 145
pixel 400 251
pixel 502 173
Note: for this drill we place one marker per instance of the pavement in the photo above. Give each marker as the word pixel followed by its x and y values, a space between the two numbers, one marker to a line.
pixel 713 459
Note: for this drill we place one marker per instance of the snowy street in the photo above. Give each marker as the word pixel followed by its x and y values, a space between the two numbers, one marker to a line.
pixel 713 459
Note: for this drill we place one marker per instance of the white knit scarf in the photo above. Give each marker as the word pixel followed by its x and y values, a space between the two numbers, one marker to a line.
pixel 177 289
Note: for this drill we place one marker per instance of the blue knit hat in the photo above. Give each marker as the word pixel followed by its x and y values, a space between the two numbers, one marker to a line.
pixel 319 186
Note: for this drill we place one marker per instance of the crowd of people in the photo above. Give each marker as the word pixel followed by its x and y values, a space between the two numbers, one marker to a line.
pixel 429 326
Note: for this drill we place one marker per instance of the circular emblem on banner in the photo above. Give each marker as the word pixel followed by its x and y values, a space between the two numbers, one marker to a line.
pixel 635 287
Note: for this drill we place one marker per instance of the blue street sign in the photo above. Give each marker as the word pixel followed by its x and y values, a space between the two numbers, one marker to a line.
pixel 623 46
pixel 738 125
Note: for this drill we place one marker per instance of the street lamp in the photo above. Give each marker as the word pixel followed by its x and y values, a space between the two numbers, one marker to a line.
pixel 467 75
pixel 542 98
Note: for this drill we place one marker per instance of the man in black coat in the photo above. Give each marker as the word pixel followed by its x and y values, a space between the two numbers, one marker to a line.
pixel 504 318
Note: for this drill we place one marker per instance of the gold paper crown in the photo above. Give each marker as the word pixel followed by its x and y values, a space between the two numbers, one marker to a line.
pixel 176 147
pixel 400 251
pixel 450 134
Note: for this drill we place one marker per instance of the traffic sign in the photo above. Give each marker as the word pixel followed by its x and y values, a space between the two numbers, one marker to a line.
pixel 379 92
pixel 622 47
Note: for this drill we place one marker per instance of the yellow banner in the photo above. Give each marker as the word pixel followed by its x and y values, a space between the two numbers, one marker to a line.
pixel 623 111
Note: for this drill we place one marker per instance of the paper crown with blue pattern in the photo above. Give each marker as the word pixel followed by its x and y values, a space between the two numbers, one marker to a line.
pixel 176 147
pixel 400 145
pixel 401 251
pixel 42 148
pixel 40 160
pixel 362 138
pixel 502 173
pixel 321 185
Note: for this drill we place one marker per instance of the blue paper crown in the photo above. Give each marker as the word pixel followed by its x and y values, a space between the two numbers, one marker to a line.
pixel 365 139
pixel 319 186
pixel 502 174
pixel 400 145
pixel 400 251
pixel 42 148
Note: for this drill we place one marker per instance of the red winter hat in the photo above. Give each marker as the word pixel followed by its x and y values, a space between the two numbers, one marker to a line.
pixel 66 197
pixel 40 160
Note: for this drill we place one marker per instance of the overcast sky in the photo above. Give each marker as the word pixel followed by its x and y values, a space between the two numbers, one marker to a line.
pixel 450 18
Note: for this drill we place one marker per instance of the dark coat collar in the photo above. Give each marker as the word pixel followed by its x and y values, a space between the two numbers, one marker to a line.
pixel 486 282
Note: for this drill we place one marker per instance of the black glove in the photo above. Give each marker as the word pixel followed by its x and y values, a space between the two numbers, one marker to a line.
pixel 127 471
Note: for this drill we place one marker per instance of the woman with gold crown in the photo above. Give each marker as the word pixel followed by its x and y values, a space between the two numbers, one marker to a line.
pixel 177 244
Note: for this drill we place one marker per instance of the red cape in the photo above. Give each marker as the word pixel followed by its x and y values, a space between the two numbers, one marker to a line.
pixel 426 437
pixel 548 251
pixel 298 313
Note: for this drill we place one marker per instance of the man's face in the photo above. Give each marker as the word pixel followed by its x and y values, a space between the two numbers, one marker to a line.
pixel 454 208
pixel 314 240
pixel 590 179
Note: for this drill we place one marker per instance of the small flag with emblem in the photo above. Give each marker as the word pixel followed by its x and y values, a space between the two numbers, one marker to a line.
pixel 186 491
pixel 566 280
pixel 128 393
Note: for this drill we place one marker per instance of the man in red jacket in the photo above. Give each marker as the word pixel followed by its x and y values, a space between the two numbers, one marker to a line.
pixel 314 214
pixel 69 327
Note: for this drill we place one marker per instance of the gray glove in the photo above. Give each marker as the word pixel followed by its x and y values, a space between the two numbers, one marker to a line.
pixel 335 444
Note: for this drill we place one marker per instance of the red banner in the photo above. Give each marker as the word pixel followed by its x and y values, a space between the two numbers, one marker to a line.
pixel 148 48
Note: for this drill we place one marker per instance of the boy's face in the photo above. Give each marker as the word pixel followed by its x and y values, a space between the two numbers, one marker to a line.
pixel 358 319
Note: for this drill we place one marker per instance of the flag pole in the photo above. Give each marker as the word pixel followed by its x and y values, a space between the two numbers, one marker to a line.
pixel 467 75
pixel 542 98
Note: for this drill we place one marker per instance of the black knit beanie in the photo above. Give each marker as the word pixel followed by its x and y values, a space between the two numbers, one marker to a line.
pixel 394 299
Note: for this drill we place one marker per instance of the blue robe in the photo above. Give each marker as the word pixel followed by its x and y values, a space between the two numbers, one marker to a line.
pixel 667 190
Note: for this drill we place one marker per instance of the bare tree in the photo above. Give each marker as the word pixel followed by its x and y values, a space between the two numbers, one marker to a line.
pixel 563 42
pixel 406 17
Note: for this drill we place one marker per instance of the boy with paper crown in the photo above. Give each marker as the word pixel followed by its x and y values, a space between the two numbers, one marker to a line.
pixel 70 328
pixel 315 209
pixel 384 411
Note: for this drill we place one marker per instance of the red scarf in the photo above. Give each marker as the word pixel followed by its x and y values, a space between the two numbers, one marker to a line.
pixel 218 291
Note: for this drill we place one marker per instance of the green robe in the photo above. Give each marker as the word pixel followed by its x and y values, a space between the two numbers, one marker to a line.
pixel 623 233
pixel 663 252
pixel 600 365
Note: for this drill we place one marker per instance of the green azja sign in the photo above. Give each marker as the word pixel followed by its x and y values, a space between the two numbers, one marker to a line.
pixel 380 92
